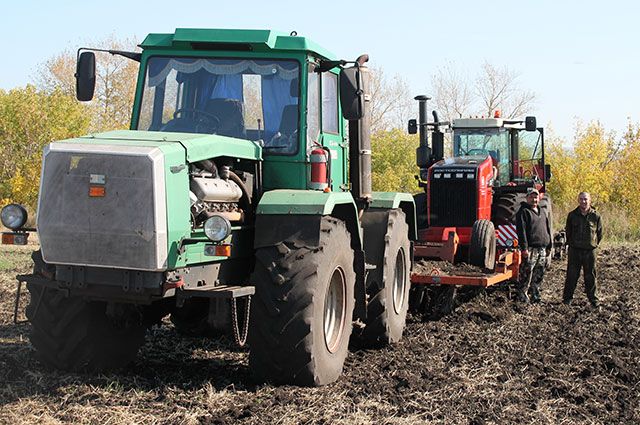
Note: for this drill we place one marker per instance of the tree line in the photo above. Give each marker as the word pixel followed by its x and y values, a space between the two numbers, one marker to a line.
pixel 598 160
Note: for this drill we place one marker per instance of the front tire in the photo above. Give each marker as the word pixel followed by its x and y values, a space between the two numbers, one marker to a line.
pixel 482 250
pixel 302 314
pixel 69 333
pixel 387 246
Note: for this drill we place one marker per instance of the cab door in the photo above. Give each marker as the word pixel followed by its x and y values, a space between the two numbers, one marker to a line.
pixel 333 131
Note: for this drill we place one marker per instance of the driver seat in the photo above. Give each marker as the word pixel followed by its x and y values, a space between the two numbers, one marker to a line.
pixel 231 115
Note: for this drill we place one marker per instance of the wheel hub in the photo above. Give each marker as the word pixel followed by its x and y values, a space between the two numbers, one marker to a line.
pixel 334 310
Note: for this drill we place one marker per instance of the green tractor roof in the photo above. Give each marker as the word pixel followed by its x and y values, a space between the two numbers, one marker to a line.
pixel 234 39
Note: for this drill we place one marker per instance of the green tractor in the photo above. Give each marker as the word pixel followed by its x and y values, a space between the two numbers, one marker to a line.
pixel 239 199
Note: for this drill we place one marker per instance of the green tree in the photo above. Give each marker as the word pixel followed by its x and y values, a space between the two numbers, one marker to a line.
pixel 394 161
pixel 29 119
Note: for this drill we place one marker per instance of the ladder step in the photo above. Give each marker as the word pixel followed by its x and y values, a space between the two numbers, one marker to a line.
pixel 221 291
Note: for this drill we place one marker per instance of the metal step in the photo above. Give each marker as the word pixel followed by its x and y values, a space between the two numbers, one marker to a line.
pixel 221 291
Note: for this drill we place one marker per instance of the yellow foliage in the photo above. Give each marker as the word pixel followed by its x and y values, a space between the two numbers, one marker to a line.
pixel 627 173
pixel 589 166
pixel 29 119
pixel 394 161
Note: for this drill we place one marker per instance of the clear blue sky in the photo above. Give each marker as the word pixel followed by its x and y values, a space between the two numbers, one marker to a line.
pixel 581 58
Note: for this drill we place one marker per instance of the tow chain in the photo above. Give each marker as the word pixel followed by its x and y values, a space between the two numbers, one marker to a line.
pixel 240 338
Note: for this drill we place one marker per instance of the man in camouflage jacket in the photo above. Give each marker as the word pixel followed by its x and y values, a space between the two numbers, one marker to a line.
pixel 584 233
pixel 534 240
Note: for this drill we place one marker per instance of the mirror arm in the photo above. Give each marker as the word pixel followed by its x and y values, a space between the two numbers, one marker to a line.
pixel 129 55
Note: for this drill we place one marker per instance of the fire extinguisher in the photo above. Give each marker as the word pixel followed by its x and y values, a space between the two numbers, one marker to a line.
pixel 319 166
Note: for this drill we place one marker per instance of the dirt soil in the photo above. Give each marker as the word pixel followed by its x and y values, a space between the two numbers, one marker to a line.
pixel 444 267
pixel 491 361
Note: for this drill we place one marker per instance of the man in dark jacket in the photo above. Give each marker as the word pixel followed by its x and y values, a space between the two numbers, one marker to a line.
pixel 584 233
pixel 534 240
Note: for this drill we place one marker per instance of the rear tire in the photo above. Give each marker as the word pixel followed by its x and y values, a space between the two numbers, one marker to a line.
pixel 387 246
pixel 505 206
pixel 302 315
pixel 482 250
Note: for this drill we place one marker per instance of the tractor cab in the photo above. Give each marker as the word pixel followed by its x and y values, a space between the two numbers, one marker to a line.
pixel 516 149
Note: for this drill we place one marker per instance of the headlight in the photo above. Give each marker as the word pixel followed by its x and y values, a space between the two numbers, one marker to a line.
pixel 13 216
pixel 217 228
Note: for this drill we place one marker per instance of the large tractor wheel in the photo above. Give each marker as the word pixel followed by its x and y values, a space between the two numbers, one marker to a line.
pixel 302 315
pixel 505 206
pixel 482 250
pixel 72 334
pixel 387 246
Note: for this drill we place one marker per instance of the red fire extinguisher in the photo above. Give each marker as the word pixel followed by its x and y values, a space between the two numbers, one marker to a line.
pixel 319 176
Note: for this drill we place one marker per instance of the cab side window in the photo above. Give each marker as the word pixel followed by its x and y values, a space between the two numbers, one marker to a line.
pixel 313 108
pixel 329 103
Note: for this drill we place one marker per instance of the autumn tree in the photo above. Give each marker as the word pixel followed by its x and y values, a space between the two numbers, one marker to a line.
pixel 627 171
pixel 115 83
pixel 29 119
pixel 493 88
pixel 391 101
pixel 497 89
pixel 452 93
pixel 394 161
pixel 588 166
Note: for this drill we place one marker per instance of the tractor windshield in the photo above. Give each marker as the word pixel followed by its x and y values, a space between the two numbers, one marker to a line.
pixel 485 141
pixel 255 99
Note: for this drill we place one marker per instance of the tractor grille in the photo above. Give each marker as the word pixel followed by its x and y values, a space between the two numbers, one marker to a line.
pixel 124 226
pixel 453 202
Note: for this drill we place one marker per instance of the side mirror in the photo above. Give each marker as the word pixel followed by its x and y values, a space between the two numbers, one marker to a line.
pixel 413 127
pixel 351 93
pixel 530 124
pixel 547 173
pixel 85 76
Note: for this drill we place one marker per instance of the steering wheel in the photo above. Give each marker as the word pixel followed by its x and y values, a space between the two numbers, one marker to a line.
pixel 193 120
pixel 477 152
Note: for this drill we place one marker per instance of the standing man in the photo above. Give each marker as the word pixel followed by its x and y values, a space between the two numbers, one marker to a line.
pixel 534 240
pixel 584 233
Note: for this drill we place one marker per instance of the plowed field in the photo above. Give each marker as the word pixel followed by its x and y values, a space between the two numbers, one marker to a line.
pixel 490 361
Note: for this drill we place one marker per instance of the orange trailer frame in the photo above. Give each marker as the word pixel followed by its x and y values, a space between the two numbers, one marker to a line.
pixel 507 268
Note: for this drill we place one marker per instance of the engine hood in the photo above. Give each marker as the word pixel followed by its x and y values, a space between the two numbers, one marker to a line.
pixel 460 163
pixel 197 146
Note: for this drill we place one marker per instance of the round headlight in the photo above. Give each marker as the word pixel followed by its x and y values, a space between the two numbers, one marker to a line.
pixel 13 216
pixel 217 228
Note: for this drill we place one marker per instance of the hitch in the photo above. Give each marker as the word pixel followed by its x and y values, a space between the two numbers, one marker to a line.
pixel 232 293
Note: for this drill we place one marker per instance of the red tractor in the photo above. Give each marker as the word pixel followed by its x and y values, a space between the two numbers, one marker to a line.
pixel 467 211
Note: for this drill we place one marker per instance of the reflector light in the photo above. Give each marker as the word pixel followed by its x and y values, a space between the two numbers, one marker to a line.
pixel 15 238
pixel 7 238
pixel 223 250
pixel 96 191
